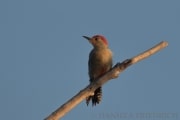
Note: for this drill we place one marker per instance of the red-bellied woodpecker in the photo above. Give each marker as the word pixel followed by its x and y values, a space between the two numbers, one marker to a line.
pixel 100 61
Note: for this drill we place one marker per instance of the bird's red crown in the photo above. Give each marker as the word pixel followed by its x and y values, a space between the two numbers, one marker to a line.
pixel 102 38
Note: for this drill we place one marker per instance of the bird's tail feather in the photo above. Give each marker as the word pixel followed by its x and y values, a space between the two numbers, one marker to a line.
pixel 96 98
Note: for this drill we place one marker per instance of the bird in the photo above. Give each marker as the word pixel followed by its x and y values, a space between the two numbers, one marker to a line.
pixel 100 61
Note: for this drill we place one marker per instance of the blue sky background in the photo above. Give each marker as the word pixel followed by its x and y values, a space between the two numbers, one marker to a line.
pixel 43 57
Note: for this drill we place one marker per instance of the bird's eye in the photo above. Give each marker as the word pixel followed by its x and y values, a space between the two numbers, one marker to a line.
pixel 96 39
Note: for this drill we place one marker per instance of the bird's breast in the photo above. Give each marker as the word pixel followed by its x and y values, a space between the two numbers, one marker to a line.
pixel 104 55
pixel 100 61
pixel 100 57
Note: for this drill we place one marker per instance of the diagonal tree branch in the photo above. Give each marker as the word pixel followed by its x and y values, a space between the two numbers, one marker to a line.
pixel 113 73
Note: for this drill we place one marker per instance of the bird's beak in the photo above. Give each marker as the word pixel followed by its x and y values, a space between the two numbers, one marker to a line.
pixel 88 38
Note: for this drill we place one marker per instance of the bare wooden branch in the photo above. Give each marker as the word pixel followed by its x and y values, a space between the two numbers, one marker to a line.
pixel 113 73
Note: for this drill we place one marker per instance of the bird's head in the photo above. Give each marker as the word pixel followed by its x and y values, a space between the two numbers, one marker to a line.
pixel 98 41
